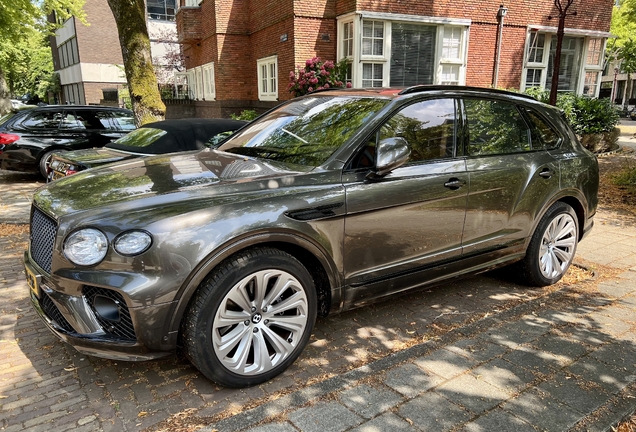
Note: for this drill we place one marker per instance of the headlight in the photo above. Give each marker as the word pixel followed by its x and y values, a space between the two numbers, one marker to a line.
pixel 86 247
pixel 133 242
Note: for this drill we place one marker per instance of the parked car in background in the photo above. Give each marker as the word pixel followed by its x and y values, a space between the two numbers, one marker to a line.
pixel 632 114
pixel 29 137
pixel 166 136
pixel 328 202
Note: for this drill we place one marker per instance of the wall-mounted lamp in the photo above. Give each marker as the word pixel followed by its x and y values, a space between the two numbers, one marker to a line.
pixel 502 11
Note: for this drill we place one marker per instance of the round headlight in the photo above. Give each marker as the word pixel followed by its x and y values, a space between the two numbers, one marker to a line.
pixel 133 242
pixel 86 247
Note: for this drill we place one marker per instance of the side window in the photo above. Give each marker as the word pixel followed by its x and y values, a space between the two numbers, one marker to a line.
pixel 495 127
pixel 123 120
pixel 72 120
pixel 428 127
pixel 218 139
pixel 543 135
pixel 43 120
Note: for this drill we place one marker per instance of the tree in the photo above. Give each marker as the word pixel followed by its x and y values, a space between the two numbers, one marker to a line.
pixel 563 13
pixel 16 16
pixel 130 17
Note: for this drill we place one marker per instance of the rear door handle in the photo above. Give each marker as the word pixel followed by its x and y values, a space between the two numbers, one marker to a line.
pixel 546 173
pixel 454 183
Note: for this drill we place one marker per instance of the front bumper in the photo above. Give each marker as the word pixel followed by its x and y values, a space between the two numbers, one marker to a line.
pixel 75 320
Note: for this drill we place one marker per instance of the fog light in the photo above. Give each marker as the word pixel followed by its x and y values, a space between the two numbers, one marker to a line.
pixel 106 308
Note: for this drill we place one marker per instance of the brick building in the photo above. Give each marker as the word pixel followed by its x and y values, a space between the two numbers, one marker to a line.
pixel 88 57
pixel 239 53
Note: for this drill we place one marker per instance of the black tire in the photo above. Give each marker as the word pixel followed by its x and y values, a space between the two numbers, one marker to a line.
pixel 552 247
pixel 254 335
pixel 45 160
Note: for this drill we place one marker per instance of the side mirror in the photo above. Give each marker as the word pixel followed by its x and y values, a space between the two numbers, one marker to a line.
pixel 391 153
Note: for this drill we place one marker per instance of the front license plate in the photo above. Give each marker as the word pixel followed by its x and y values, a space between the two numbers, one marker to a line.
pixel 33 282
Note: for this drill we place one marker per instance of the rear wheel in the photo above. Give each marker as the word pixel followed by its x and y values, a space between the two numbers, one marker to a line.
pixel 250 318
pixel 552 246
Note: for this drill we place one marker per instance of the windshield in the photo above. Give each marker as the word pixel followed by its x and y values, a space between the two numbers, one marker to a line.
pixel 305 132
pixel 138 138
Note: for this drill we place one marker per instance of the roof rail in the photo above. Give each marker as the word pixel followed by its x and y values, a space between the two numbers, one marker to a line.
pixel 433 87
pixel 326 89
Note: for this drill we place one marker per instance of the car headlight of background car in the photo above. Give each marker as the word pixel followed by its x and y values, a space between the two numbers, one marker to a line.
pixel 132 242
pixel 86 247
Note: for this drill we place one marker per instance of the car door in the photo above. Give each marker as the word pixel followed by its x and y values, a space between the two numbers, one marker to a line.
pixel 511 176
pixel 412 218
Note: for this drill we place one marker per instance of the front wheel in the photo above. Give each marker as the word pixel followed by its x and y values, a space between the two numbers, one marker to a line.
pixel 45 162
pixel 250 318
pixel 552 246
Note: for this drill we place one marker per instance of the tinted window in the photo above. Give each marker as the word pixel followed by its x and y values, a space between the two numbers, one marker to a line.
pixel 123 120
pixel 495 127
pixel 43 120
pixel 543 135
pixel 71 120
pixel 139 138
pixel 428 127
pixel 306 131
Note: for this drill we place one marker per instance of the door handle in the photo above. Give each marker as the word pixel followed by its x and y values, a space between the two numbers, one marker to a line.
pixel 546 173
pixel 454 183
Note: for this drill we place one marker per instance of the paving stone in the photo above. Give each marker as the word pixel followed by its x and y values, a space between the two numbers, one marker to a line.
pixel 473 393
pixel 433 412
pixel 498 420
pixel 445 363
pixel 610 325
pixel 385 423
pixel 565 349
pixel 534 360
pixel 504 375
pixel 411 380
pixel 324 417
pixel 477 349
pixel 622 356
pixel 542 411
pixel 579 394
pixel 609 378
pixel 368 401
pixel 274 427
pixel 617 288
pixel 517 333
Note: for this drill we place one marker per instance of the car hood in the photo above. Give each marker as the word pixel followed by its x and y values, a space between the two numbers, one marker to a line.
pixel 96 156
pixel 164 180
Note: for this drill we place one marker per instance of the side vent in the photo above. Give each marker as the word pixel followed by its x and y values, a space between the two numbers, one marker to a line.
pixel 320 212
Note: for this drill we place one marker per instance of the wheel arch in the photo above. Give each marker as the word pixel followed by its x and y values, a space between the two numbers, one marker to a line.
pixel 321 267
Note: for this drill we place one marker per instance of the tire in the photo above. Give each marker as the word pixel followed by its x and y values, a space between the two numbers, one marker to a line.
pixel 237 342
pixel 552 246
pixel 45 160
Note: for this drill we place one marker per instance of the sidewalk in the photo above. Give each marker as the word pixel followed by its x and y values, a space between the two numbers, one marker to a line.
pixel 565 362
pixel 627 137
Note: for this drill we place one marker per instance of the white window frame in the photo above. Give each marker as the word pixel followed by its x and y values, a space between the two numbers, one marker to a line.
pixel 270 65
pixel 188 77
pixel 198 83
pixel 209 87
pixel 358 60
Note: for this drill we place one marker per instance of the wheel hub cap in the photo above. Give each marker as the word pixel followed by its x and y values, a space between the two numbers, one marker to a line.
pixel 256 318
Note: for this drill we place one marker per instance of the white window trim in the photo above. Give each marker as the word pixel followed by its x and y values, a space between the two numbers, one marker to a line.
pixel 198 83
pixel 267 61
pixel 189 79
pixel 209 90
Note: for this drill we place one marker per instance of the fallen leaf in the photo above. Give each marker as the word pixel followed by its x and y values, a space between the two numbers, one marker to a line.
pixel 142 414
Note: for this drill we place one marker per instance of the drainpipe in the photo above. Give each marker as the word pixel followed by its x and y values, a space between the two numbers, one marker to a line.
pixel 501 13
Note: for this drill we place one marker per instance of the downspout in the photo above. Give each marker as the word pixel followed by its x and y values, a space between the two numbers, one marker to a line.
pixel 501 13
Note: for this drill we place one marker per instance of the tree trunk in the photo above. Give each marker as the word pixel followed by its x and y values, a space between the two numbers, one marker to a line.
pixel 5 101
pixel 130 16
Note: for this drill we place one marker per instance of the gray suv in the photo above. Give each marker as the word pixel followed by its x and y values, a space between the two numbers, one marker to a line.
pixel 326 203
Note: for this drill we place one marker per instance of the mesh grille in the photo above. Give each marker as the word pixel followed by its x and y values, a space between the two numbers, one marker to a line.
pixel 54 313
pixel 43 230
pixel 124 327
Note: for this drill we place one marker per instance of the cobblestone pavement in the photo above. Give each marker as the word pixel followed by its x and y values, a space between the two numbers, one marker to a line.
pixel 15 197
pixel 478 354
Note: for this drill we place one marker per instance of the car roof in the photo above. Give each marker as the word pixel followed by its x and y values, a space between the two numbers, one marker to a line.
pixel 397 92
pixel 63 107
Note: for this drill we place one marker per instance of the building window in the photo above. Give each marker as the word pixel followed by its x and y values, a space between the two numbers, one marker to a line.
pixel 267 69
pixel 68 53
pixel 389 52
pixel 581 63
pixel 163 10
pixel 209 91
pixel 73 94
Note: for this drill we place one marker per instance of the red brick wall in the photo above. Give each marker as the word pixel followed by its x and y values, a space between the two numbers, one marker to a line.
pixel 99 41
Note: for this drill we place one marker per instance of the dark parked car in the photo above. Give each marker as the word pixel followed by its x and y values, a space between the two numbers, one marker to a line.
pixel 162 137
pixel 326 203
pixel 29 137
pixel 632 114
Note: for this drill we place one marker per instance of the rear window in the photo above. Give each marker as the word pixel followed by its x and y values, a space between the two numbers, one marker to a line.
pixel 138 139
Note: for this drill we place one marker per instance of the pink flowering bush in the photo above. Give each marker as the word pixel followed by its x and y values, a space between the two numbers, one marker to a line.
pixel 317 75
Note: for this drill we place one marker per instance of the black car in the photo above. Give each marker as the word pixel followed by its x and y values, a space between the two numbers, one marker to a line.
pixel 328 202
pixel 166 136
pixel 28 138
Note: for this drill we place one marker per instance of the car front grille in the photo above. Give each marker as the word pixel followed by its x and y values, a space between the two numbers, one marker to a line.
pixel 43 230
pixel 54 314
pixel 123 327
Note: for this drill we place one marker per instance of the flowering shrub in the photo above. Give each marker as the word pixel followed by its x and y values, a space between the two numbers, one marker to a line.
pixel 317 75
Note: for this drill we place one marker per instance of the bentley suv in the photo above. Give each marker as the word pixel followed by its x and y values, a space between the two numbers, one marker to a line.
pixel 326 203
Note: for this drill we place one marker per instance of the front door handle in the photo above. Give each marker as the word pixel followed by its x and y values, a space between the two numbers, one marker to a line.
pixel 546 173
pixel 454 183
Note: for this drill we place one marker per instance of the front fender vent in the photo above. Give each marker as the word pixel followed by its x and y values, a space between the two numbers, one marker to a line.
pixel 320 212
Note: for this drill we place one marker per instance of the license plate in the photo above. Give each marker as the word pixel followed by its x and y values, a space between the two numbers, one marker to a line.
pixel 33 282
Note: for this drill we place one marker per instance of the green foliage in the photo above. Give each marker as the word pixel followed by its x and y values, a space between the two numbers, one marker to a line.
pixel 317 75
pixel 586 115
pixel 247 115
pixel 626 177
